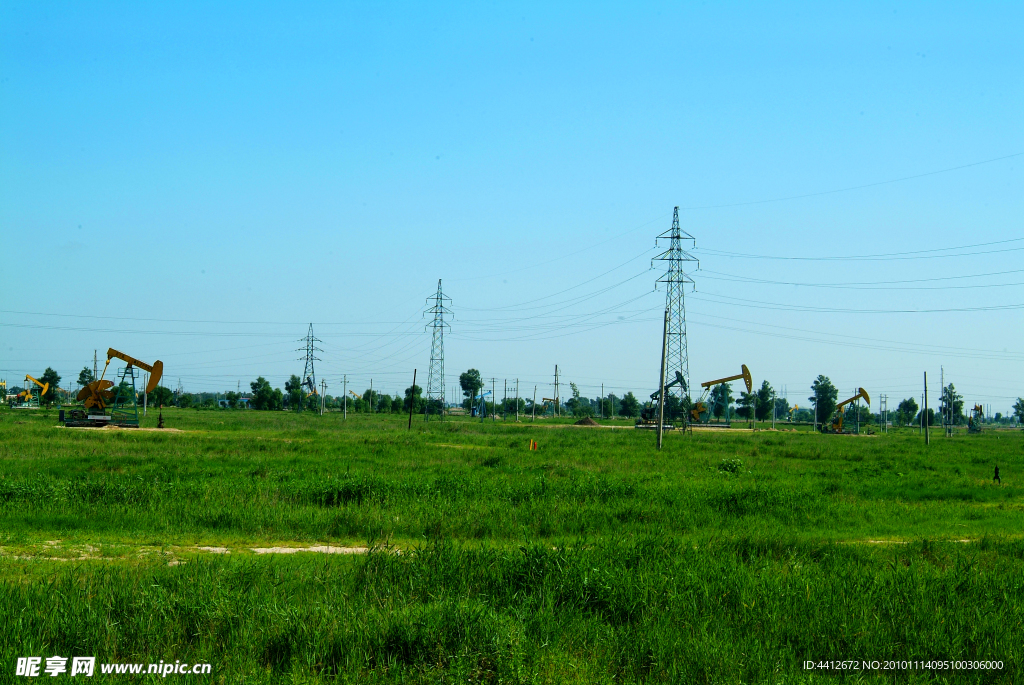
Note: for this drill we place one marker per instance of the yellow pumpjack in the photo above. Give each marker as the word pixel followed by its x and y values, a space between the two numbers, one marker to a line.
pixel 700 408
pixel 837 422
pixel 26 398
pixel 98 393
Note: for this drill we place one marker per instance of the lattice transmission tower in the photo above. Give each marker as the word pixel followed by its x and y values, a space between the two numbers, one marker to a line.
pixel 309 375
pixel 435 374
pixel 676 279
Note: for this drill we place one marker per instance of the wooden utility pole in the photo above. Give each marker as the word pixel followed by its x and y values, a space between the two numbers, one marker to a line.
pixel 412 397
pixel 371 391
pixel 601 407
pixel 493 402
pixel 534 404
pixel 661 395
pixel 344 400
pixel 504 402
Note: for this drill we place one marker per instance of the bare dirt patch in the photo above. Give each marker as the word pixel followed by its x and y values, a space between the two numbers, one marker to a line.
pixel 321 549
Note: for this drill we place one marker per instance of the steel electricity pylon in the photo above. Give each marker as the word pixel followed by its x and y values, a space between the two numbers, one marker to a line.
pixel 309 375
pixel 435 373
pixel 675 280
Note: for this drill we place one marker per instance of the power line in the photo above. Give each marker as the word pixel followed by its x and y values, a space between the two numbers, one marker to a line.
pixel 858 187
pixel 892 256
pixel 869 285
pixel 756 304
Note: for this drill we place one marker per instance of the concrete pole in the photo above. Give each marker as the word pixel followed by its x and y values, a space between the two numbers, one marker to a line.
pixel 661 395
pixel 924 412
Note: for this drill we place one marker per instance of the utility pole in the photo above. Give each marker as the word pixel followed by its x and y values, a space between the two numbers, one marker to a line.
pixel 412 397
pixel 323 396
pixel 492 400
pixel 504 402
pixel 924 414
pixel 145 395
pixel 676 280
pixel 773 408
pixel 371 393
pixel 517 400
pixel 661 384
pixel 344 401
pixel 435 372
pixel 601 407
pixel 556 411
pixel 534 404
pixel 95 367
pixel 856 408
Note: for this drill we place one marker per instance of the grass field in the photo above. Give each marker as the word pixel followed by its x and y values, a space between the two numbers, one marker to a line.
pixel 728 557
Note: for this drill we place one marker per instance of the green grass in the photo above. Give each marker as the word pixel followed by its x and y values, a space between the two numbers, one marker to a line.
pixel 729 556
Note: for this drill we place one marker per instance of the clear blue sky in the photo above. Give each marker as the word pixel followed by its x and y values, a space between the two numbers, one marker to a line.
pixel 263 166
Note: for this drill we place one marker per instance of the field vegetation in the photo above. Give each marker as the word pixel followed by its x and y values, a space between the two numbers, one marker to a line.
pixel 730 556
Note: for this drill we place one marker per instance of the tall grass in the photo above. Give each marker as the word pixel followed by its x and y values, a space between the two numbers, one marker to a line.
pixel 643 610
pixel 727 557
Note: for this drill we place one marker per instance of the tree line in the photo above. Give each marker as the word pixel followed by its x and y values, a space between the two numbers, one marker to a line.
pixel 760 402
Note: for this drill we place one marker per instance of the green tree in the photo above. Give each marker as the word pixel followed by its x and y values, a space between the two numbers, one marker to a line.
pixel 311 401
pixel 630 406
pixel 951 405
pixel 53 378
pixel 746 404
pixel 414 395
pixel 763 406
pixel 185 401
pixel 721 397
pixel 906 411
pixel 781 408
pixel 265 397
pixel 580 406
pixel 471 383
pixel 161 397
pixel 824 398
pixel 1018 409
pixel 232 397
pixel 85 377
pixel 610 404
pixel 293 392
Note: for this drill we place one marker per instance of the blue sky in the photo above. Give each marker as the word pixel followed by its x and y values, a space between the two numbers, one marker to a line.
pixel 197 182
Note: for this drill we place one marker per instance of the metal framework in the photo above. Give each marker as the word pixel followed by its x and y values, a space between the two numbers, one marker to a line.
pixel 309 374
pixel 435 372
pixel 676 279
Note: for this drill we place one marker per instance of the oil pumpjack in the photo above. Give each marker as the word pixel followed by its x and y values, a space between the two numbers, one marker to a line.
pixel 107 405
